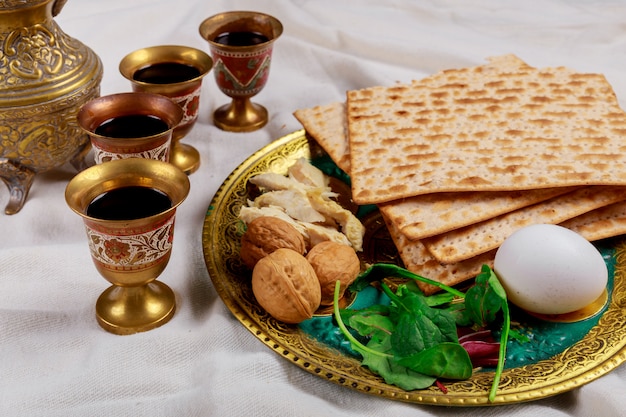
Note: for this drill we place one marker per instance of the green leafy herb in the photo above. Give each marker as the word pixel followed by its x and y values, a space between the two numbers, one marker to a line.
pixel 418 326
pixel 410 343
pixel 377 353
pixel 485 298
pixel 413 341
pixel 447 360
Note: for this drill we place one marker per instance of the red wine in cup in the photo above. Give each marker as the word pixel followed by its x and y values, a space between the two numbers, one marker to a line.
pixel 166 73
pixel 129 203
pixel 132 126
pixel 240 38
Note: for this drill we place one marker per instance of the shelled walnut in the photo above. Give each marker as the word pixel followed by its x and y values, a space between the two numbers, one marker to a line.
pixel 266 234
pixel 285 285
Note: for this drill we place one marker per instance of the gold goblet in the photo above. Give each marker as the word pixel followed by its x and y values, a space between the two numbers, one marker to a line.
pixel 128 207
pixel 241 44
pixel 130 125
pixel 176 72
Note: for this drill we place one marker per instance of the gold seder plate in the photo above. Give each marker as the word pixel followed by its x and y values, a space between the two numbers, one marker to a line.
pixel 601 350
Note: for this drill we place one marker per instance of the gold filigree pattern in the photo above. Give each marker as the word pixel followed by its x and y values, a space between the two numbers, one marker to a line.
pixel 44 136
pixel 37 52
pixel 131 250
pixel 599 352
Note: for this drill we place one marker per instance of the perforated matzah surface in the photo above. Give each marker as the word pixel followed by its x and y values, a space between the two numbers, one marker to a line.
pixel 470 241
pixel 501 126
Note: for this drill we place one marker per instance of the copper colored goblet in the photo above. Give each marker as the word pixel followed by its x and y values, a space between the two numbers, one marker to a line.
pixel 176 72
pixel 128 207
pixel 241 44
pixel 130 125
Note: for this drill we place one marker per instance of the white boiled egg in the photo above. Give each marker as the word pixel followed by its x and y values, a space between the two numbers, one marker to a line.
pixel 548 269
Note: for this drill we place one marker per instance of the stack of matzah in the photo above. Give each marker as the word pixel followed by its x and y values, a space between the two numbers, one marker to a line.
pixel 458 161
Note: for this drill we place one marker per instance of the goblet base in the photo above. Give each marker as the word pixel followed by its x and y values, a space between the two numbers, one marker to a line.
pixel 185 157
pixel 241 115
pixel 128 310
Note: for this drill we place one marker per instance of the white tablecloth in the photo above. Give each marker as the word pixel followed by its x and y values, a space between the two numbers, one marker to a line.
pixel 54 358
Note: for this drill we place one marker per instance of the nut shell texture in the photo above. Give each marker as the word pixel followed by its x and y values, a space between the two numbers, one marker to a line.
pixel 285 285
pixel 266 234
pixel 333 261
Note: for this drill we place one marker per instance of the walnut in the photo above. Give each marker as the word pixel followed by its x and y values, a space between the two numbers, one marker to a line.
pixel 285 285
pixel 264 235
pixel 333 261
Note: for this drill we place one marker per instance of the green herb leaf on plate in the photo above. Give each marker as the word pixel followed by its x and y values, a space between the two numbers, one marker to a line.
pixel 445 360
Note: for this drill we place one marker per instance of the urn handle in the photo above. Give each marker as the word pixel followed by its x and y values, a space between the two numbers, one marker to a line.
pixel 57 6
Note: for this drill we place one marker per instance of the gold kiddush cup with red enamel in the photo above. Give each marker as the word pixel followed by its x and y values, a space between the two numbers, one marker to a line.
pixel 130 125
pixel 176 72
pixel 128 208
pixel 241 43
